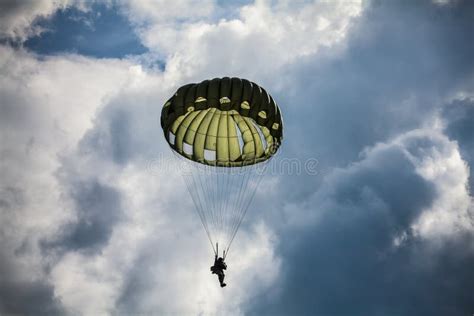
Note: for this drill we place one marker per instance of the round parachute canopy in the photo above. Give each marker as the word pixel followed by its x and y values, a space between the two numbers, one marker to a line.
pixel 224 122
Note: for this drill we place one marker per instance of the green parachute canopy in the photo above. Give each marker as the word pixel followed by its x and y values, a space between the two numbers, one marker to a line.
pixel 228 122
pixel 222 131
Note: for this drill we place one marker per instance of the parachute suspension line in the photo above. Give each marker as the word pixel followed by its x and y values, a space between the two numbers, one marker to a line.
pixel 235 214
pixel 259 178
pixel 212 193
pixel 230 207
pixel 229 193
pixel 205 196
pixel 210 210
pixel 202 210
pixel 217 191
pixel 200 206
pixel 224 200
pixel 222 197
pixel 209 207
pixel 197 201
pixel 246 188
pixel 214 176
pixel 219 199
pixel 203 222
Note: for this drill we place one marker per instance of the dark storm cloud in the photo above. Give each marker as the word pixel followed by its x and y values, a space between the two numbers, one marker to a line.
pixel 9 8
pixel 15 288
pixel 111 138
pixel 119 136
pixel 11 198
pixel 402 59
pixel 348 264
pixel 137 284
pixel 39 296
pixel 460 127
pixel 98 207
pixel 122 132
pixel 17 17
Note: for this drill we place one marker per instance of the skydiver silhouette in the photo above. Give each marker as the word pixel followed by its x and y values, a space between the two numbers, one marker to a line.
pixel 218 268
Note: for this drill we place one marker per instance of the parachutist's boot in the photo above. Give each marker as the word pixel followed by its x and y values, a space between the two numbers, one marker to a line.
pixel 223 284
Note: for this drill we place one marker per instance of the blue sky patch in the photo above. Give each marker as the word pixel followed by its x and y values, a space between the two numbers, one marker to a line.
pixel 101 32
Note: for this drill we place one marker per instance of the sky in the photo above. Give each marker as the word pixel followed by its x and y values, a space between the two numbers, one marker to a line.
pixel 378 103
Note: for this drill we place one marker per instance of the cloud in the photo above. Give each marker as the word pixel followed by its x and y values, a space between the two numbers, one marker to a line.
pixel 360 246
pixel 459 119
pixel 266 34
pixel 81 194
pixel 175 277
pixel 18 19
pixel 372 234
pixel 94 221
pixel 98 208
pixel 393 75
pixel 133 224
pixel 46 107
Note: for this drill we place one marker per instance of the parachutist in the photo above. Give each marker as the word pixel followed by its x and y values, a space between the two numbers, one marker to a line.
pixel 218 268
pixel 224 131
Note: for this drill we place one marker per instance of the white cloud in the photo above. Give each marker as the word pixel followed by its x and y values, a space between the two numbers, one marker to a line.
pixel 197 44
pixel 434 158
pixel 46 107
pixel 144 12
pixel 452 211
pixel 69 104
pixel 157 259
pixel 158 250
pixel 18 18
pixel 69 120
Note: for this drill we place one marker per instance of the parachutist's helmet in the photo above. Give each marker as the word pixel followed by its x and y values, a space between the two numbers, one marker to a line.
pixel 228 122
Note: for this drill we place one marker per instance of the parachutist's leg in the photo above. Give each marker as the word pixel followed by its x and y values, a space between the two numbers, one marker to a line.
pixel 221 279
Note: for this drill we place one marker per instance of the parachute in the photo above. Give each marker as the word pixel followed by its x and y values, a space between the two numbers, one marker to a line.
pixel 223 132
